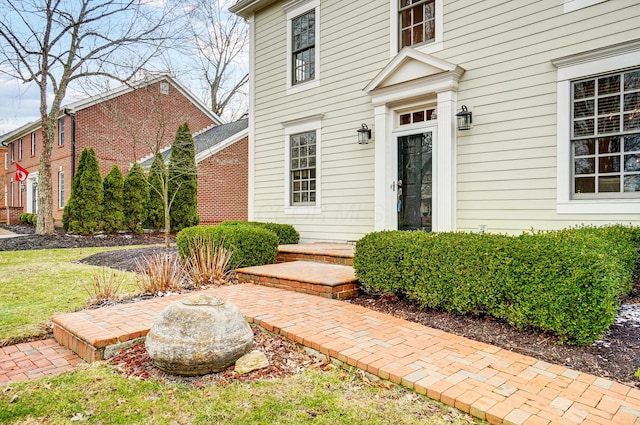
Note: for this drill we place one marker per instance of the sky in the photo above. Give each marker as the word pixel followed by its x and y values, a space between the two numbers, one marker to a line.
pixel 20 103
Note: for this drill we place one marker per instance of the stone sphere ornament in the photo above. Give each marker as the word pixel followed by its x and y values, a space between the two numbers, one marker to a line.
pixel 198 335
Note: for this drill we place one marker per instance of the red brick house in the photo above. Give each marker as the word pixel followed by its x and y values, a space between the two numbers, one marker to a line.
pixel 122 125
pixel 222 157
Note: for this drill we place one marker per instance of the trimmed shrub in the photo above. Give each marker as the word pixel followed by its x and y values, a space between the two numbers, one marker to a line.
pixel 249 245
pixel 136 198
pixel 113 212
pixel 28 218
pixel 287 234
pixel 569 282
pixel 84 209
pixel 183 184
pixel 155 207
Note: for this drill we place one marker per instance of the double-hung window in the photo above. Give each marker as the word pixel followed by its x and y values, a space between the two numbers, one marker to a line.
pixel 417 22
pixel 303 49
pixel 33 143
pixel 605 135
pixel 302 159
pixel 20 149
pixel 61 132
pixel 61 189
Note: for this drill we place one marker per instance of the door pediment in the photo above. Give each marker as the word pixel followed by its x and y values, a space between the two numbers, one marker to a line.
pixel 410 68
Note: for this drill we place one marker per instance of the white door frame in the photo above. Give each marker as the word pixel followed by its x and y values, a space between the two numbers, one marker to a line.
pixel 33 178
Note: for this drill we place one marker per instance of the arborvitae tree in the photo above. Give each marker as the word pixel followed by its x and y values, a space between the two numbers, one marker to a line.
pixel 71 208
pixel 183 186
pixel 85 210
pixel 113 212
pixel 136 198
pixel 157 182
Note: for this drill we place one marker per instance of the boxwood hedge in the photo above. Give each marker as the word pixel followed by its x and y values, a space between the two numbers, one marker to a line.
pixel 28 218
pixel 287 234
pixel 569 282
pixel 250 245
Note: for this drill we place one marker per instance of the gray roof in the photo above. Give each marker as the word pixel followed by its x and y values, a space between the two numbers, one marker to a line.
pixel 208 138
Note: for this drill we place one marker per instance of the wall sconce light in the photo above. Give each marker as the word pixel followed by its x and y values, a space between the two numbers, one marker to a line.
pixel 364 135
pixel 464 119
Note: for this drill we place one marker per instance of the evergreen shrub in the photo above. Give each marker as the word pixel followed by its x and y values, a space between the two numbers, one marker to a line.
pixel 113 212
pixel 28 218
pixel 157 180
pixel 183 184
pixel 287 234
pixel 84 209
pixel 569 281
pixel 249 245
pixel 136 198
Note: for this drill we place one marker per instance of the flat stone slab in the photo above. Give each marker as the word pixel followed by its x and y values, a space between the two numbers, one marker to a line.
pixel 305 271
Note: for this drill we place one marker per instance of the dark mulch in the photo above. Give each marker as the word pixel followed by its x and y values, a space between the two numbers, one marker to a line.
pixel 616 356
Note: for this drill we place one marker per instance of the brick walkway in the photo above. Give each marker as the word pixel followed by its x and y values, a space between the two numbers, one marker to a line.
pixel 486 381
pixel 36 359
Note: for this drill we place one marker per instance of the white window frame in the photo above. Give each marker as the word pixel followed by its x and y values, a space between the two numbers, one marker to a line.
pixel 6 160
pixel 13 194
pixel 571 5
pixel 20 149
pixel 20 190
pixel 294 9
pixel 60 189
pixel 307 124
pixel 571 68
pixel 33 143
pixel 434 46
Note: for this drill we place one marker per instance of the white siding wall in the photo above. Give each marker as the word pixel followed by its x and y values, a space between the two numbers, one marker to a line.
pixel 507 163
pixel 350 56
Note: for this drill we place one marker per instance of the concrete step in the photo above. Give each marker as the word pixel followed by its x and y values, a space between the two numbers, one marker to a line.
pixel 326 280
pixel 331 253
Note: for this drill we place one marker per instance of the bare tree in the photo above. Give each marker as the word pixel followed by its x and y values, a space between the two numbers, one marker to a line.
pixel 220 40
pixel 54 43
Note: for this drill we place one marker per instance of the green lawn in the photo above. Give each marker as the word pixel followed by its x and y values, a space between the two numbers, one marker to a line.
pixel 34 285
pixel 96 395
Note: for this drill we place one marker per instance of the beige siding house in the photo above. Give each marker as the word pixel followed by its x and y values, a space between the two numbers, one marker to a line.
pixel 553 88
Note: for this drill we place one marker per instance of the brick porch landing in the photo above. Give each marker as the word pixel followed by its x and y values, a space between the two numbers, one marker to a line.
pixel 326 280
pixel 487 381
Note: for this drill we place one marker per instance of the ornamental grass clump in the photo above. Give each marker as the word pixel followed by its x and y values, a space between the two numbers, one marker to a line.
pixel 104 286
pixel 207 263
pixel 160 273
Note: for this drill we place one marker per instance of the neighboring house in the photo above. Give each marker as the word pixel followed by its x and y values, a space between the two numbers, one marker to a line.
pixel 222 163
pixel 553 88
pixel 122 125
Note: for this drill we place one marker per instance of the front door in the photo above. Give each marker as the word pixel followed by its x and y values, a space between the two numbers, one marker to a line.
pixel 415 181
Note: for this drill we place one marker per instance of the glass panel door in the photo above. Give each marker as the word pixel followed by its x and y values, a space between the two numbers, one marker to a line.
pixel 415 181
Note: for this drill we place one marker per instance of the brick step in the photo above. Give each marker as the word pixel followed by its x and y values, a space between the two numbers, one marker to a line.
pixel 331 253
pixel 325 280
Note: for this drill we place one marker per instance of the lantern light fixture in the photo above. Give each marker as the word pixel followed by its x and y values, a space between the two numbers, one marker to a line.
pixel 464 119
pixel 364 134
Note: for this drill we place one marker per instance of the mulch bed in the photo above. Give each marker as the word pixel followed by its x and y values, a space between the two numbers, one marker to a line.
pixel 616 356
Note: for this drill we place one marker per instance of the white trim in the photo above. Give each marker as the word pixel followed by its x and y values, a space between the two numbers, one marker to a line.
pixel 593 62
pixel 434 46
pixel 33 178
pixel 251 199
pixel 222 145
pixel 294 9
pixel 300 125
pixel 571 5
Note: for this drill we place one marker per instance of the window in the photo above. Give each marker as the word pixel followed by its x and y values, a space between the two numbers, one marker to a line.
pixel 303 168
pixel 605 140
pixel 417 22
pixel 33 144
pixel 6 160
pixel 598 130
pixel 61 189
pixel 418 116
pixel 303 50
pixel 12 193
pixel 12 150
pixel 61 132
pixel 19 149
pixel 302 171
pixel 20 190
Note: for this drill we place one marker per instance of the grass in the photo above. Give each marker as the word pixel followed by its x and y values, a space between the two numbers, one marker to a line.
pixel 34 285
pixel 97 395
